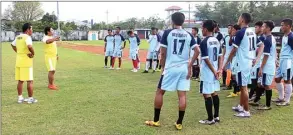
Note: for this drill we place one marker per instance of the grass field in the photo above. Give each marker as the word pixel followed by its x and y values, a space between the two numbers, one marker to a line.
pixel 93 100
pixel 143 45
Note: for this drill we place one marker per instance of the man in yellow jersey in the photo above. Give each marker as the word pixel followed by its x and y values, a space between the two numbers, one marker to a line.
pixel 51 55
pixel 23 46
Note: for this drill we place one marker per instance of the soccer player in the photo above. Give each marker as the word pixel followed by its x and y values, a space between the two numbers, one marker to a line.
pixel 233 64
pixel 226 51
pixel 284 71
pixel 195 67
pixel 138 61
pixel 245 48
pixel 211 57
pixel 175 47
pixel 268 66
pixel 154 40
pixel 254 73
pixel 134 42
pixel 51 55
pixel 118 39
pixel 23 46
pixel 109 48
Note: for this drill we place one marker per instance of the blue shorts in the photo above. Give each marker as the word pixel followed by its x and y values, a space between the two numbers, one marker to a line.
pixel 109 53
pixel 243 77
pixel 118 53
pixel 152 55
pixel 265 80
pixel 174 78
pixel 285 69
pixel 209 87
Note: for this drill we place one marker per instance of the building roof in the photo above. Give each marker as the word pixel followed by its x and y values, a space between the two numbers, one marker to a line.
pixel 173 8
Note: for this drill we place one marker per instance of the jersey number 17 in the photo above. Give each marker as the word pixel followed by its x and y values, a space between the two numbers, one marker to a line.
pixel 181 42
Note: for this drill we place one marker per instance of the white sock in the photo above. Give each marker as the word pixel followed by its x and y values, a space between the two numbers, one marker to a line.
pixel 20 96
pixel 147 65
pixel 280 89
pixel 288 89
pixel 30 98
pixel 154 64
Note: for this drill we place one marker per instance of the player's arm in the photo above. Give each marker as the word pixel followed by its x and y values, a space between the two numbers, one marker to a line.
pixel 29 44
pixel 290 42
pixel 138 40
pixel 163 50
pixel 267 50
pixel 238 37
pixel 105 40
pixel 49 41
pixel 260 51
pixel 224 47
pixel 123 39
pixel 13 45
pixel 195 55
pixel 220 62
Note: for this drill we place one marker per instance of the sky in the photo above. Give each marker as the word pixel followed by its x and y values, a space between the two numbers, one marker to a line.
pixel 118 11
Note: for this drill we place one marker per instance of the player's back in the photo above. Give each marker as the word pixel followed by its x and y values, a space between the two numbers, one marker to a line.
pixel 210 49
pixel 178 43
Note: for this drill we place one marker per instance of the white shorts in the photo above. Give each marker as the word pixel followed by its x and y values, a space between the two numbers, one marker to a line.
pixel 285 69
pixel 209 87
pixel 118 53
pixel 152 55
pixel 254 72
pixel 265 80
pixel 174 78
pixel 109 53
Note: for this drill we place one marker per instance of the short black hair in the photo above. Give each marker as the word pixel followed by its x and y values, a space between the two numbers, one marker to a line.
pixel 236 27
pixel 246 17
pixel 157 29
pixel 26 26
pixel 118 28
pixel 196 29
pixel 129 32
pixel 132 28
pixel 259 23
pixel 153 28
pixel 287 21
pixel 178 18
pixel 47 29
pixel 215 23
pixel 109 30
pixel 209 25
pixel 230 25
pixel 270 24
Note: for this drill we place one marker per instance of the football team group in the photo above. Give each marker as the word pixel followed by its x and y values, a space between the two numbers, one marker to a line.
pixel 244 59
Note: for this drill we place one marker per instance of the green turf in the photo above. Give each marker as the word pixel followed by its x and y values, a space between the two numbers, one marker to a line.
pixel 93 100
pixel 143 45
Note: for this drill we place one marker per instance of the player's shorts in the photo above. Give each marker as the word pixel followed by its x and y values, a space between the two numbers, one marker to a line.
pixel 285 69
pixel 254 72
pixel 118 53
pixel 209 87
pixel 133 55
pixel 24 73
pixel 266 79
pixel 109 53
pixel 229 66
pixel 234 66
pixel 243 77
pixel 174 78
pixel 152 55
pixel 51 63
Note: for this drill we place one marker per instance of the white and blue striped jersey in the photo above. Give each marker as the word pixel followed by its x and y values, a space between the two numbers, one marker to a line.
pixel 178 42
pixel 261 38
pixel 287 47
pixel 246 41
pixel 109 39
pixel 118 39
pixel 270 50
pixel 228 46
pixel 210 49
pixel 154 41
pixel 134 43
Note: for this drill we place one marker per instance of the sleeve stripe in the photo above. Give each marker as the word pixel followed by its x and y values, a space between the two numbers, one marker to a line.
pixel 266 53
pixel 162 45
pixel 206 57
pixel 193 46
pixel 235 45
pixel 220 54
pixel 259 44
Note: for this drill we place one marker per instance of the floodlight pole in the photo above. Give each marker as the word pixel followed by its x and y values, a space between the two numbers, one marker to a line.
pixel 59 31
pixel 189 14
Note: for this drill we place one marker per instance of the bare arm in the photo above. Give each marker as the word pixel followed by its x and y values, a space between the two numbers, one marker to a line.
pixel 14 48
pixel 259 53
pixel 231 55
pixel 207 61
pixel 49 41
pixel 163 57
pixel 195 55
pixel 224 51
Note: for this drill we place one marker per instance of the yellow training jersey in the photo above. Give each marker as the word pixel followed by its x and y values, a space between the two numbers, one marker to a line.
pixel 50 49
pixel 21 42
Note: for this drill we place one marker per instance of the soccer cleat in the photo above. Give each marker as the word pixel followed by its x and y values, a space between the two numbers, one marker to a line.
pixel 243 114
pixel 207 122
pixel 105 67
pixel 154 71
pixel 178 126
pixel 238 108
pixel 111 68
pixel 118 68
pixel 32 100
pixel 232 95
pixel 134 70
pixel 254 103
pixel 152 123
pixel 278 100
pixel 217 119
pixel 20 100
pixel 283 104
pixel 158 70
pixel 145 71
pixel 52 87
pixel 264 108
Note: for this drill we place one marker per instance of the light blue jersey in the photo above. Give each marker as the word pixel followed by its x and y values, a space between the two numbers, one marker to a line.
pixel 134 43
pixel 270 50
pixel 118 39
pixel 109 39
pixel 210 49
pixel 261 38
pixel 246 41
pixel 287 47
pixel 153 41
pixel 228 46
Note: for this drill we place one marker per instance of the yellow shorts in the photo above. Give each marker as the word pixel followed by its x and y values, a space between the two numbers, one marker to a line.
pixel 24 74
pixel 51 63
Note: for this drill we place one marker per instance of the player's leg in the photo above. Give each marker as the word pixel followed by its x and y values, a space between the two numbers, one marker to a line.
pixel 288 86
pixel 120 53
pixel 216 101
pixel 134 62
pixel 147 63
pixel 27 75
pixel 224 75
pixel 154 61
pixel 235 86
pixel 30 92
pixel 138 61
pixel 51 67
pixel 279 84
pixel 114 58
pixel 266 81
pixel 194 72
pixel 19 85
pixel 182 107
pixel 106 61
pixel 206 89
pixel 151 64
